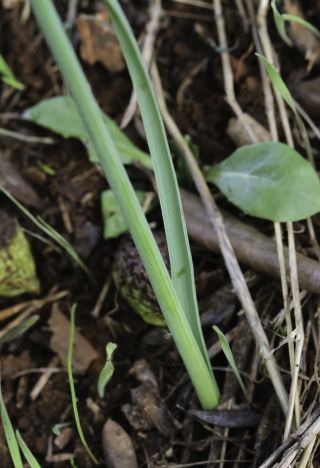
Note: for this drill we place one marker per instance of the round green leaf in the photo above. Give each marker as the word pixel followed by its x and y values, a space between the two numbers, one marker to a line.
pixel 269 180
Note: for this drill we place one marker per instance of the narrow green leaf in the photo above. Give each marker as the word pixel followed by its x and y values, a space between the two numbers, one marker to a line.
pixel 72 387
pixel 19 330
pixel 178 244
pixel 280 23
pixel 278 82
pixel 48 230
pixel 10 435
pixel 60 115
pixel 8 76
pixel 269 180
pixel 114 223
pixel 27 452
pixel 302 22
pixel 57 428
pixel 107 371
pixel 229 355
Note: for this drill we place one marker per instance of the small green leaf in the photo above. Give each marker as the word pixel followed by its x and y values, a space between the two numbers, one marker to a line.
pixel 114 224
pixel 60 115
pixel 57 428
pixel 107 371
pixel 278 82
pixel 280 23
pixel 19 329
pixel 27 452
pixel 10 435
pixel 269 180
pixel 48 230
pixel 8 76
pixel 229 355
pixel 302 22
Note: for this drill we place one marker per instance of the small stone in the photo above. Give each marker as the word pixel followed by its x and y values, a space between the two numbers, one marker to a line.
pixel 117 447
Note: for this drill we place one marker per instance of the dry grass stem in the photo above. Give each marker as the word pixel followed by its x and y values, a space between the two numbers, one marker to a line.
pixel 152 29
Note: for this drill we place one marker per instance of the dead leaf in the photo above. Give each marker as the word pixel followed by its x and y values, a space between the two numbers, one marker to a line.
pixel 237 130
pixel 13 182
pixel 99 43
pixel 148 411
pixel 303 38
pixel 233 418
pixel 117 446
pixel 83 352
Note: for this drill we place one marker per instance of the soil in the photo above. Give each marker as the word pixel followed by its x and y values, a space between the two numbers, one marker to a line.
pixel 69 200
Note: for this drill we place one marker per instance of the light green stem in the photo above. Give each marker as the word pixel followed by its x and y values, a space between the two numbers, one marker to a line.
pixel 116 175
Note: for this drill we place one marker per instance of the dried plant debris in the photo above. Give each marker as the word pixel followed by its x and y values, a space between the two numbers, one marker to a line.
pixel 303 38
pixel 148 410
pixel 117 446
pixel 17 267
pixel 13 182
pixel 98 42
pixel 233 418
pixel 132 281
pixel 238 130
pixel 268 436
pixel 83 352
pixel 252 248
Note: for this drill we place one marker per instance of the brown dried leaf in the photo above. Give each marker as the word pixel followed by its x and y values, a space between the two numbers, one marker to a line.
pixel 117 447
pixel 153 409
pixel 99 43
pixel 11 180
pixel 83 352
pixel 233 418
pixel 237 130
pixel 304 39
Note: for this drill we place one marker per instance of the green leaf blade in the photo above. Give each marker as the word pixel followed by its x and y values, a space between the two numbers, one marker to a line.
pixel 270 181
pixel 72 386
pixel 114 222
pixel 278 82
pixel 107 370
pixel 227 351
pixel 10 435
pixel 176 233
pixel 61 116
pixel 27 452
pixel 280 23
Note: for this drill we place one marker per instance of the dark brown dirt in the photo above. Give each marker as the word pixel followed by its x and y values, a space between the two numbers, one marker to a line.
pixel 71 197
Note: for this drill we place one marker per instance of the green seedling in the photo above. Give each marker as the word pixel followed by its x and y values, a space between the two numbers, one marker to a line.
pixel 107 371
pixel 229 356
pixel 280 20
pixel 8 76
pixel 15 441
pixel 48 230
pixel 176 292
pixel 72 387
